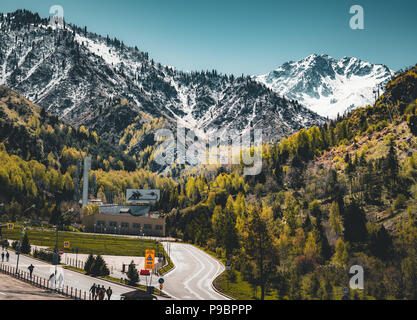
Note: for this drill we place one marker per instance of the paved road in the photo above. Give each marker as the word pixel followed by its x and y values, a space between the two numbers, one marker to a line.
pixel 70 278
pixel 13 289
pixel 193 275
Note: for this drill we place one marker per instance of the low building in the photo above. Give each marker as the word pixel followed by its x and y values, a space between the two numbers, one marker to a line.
pixel 128 220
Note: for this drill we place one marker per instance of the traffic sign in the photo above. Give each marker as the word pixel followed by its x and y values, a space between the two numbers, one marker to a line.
pixel 161 280
pixel 66 244
pixel 149 259
pixel 10 226
pixel 145 273
pixel 228 264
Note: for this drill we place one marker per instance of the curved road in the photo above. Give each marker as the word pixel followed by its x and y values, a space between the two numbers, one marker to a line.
pixel 191 279
pixel 193 275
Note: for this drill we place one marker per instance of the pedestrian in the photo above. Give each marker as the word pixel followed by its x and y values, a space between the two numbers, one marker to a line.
pixel 109 293
pixel 93 291
pixel 7 256
pixel 101 293
pixel 2 257
pixel 31 267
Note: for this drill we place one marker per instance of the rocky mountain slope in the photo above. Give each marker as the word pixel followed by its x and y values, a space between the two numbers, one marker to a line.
pixel 329 86
pixel 78 75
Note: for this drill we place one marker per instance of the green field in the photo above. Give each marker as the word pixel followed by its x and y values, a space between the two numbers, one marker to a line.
pixel 96 244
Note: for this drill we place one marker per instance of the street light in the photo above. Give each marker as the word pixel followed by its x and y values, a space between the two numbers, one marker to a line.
pixel 19 248
pixel 56 240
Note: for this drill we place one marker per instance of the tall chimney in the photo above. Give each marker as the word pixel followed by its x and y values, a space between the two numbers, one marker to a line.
pixel 87 167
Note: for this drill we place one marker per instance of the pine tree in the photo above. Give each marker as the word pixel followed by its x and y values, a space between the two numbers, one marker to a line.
pixel 335 219
pixel 354 222
pixel 89 263
pixel 132 274
pixel 25 248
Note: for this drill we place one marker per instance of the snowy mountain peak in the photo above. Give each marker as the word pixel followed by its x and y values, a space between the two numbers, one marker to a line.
pixel 79 75
pixel 326 85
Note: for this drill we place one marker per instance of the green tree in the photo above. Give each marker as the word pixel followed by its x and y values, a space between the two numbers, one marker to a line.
pixel 132 274
pixel 335 219
pixel 354 221
pixel 258 239
pixel 89 263
pixel 25 248
pixel 99 267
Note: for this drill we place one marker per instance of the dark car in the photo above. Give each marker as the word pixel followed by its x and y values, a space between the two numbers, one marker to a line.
pixel 137 295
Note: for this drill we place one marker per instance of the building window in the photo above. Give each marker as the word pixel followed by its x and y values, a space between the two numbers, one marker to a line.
pixel 136 226
pixel 148 226
pixel 113 224
pixel 158 227
pixel 101 223
pixel 124 225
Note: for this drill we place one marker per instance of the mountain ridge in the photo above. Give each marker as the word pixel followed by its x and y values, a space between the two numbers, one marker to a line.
pixel 77 75
pixel 326 85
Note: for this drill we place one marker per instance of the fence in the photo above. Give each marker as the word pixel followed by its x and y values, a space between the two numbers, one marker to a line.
pixel 43 283
pixel 76 263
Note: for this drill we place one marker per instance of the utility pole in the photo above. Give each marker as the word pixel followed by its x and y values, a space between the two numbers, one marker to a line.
pixel 56 242
pixel 19 248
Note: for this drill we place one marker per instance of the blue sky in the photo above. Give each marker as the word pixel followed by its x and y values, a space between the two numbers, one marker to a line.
pixel 250 37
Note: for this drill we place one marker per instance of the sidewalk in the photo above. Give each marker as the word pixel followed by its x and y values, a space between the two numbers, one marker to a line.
pixel 14 289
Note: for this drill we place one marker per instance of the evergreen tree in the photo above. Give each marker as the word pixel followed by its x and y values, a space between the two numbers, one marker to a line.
pixel 99 267
pixel 335 219
pixel 25 248
pixel 354 222
pixel 89 263
pixel 132 274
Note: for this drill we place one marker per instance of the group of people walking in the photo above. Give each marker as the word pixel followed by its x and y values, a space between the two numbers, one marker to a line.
pixel 99 293
pixel 7 255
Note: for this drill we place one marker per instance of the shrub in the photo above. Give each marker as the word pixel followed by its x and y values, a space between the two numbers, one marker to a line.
pixel 231 275
pixel 132 274
pixel 25 245
pixel 400 201
pixel 304 265
pixel 99 267
pixel 96 267
pixel 88 264
pixel 45 255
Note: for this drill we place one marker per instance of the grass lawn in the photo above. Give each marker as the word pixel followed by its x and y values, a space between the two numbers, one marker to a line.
pixel 240 289
pixel 97 244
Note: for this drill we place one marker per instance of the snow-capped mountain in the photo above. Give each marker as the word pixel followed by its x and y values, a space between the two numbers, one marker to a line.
pixel 328 86
pixel 77 75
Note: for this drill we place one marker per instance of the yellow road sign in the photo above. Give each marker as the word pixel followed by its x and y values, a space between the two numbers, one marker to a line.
pixel 149 259
pixel 10 226
pixel 66 244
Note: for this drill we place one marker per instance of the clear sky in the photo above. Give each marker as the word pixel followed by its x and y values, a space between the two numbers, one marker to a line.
pixel 246 36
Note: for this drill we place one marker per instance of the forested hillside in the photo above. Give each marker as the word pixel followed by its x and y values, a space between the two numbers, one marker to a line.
pixel 328 198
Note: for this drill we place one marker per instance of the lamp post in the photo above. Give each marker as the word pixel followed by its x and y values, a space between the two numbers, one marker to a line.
pixel 19 248
pixel 56 241
pixel 105 238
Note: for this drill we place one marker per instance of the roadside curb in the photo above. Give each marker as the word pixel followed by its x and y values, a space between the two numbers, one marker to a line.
pixel 218 291
pixel 163 275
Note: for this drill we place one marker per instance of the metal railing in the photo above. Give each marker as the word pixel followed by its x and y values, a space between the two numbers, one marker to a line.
pixel 42 283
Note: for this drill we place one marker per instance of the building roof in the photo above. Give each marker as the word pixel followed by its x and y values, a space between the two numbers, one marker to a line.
pixel 132 210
